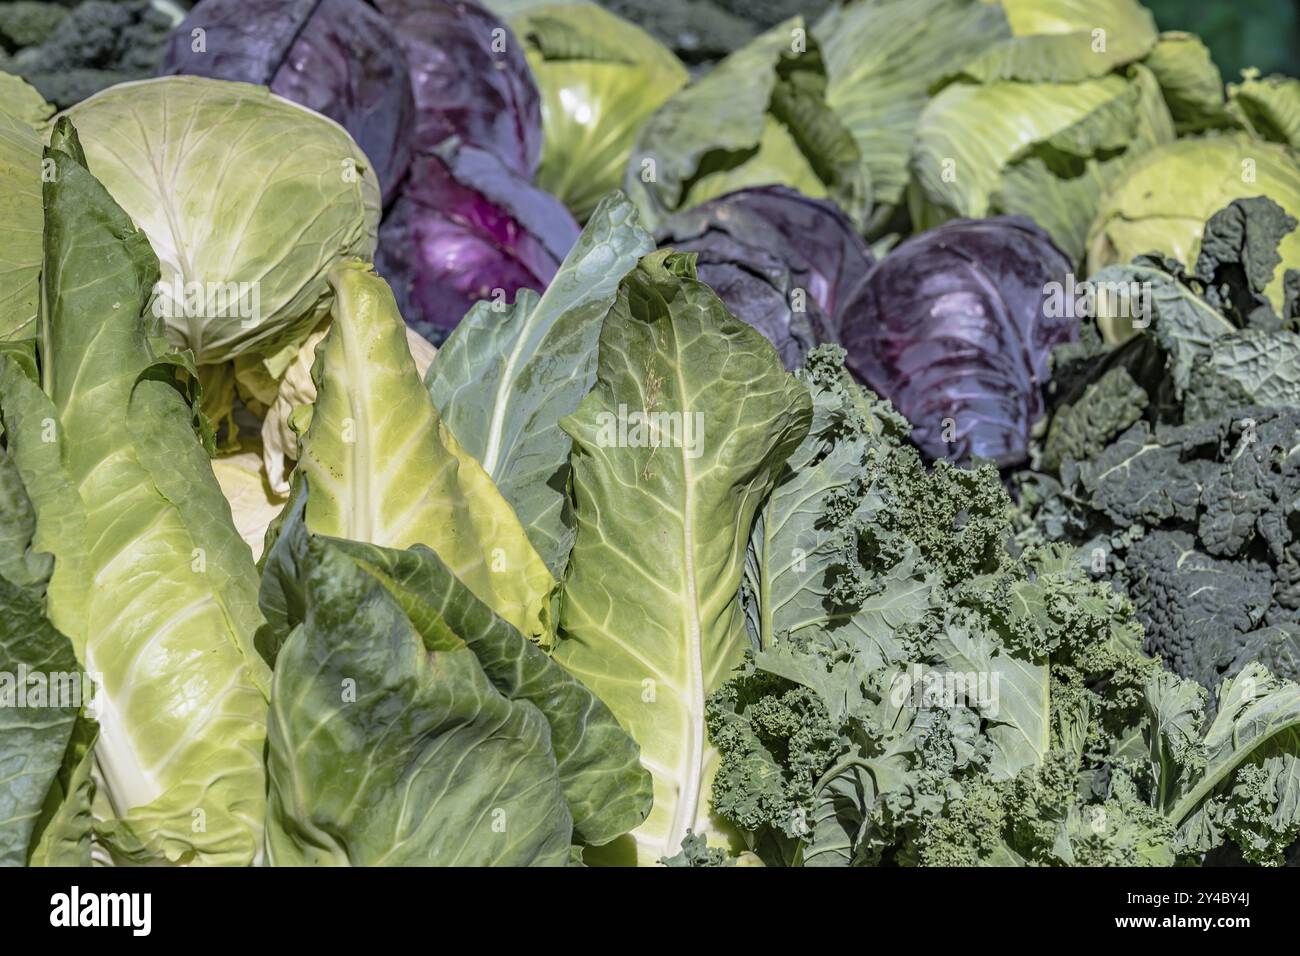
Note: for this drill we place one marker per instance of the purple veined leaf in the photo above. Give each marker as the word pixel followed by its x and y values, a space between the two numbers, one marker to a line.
pixel 952 328
pixel 470 78
pixel 784 263
pixel 467 228
pixel 337 57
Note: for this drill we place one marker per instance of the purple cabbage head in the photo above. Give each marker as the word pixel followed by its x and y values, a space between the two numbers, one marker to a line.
pixel 337 57
pixel 951 328
pixel 464 227
pixel 784 263
pixel 470 78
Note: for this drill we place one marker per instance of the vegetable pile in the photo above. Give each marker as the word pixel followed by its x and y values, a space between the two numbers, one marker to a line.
pixel 435 433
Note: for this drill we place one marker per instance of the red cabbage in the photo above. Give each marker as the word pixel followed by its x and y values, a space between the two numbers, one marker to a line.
pixel 470 78
pixel 758 248
pixel 337 57
pixel 951 328
pixel 465 226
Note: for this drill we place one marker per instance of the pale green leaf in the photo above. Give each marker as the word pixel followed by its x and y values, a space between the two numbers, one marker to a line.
pixel 503 380
pixel 651 618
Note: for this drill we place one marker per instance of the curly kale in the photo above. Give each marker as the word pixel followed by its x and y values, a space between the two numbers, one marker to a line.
pixel 919 695
pixel 696 852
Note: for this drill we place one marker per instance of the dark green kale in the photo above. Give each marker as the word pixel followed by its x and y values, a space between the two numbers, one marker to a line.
pixel 95 45
pixel 1171 461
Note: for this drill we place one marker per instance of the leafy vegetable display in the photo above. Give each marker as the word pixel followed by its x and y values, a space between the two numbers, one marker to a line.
pixel 882 58
pixel 902 469
pixel 371 406
pixel 439 97
pixel 526 739
pixel 504 381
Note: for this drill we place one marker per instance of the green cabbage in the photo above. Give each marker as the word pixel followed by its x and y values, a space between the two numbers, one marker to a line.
pixel 384 468
pixel 758 118
pixel 209 170
pixel 600 77
pixel 21 112
pixel 1040 124
pixel 651 618
pixel 1162 201
pixel 882 56
pixel 151 582
pixel 488 752
pixel 504 379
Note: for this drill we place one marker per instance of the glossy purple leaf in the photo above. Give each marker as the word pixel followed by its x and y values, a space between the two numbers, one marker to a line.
pixel 782 262
pixel 471 80
pixel 464 227
pixel 337 57
pixel 951 327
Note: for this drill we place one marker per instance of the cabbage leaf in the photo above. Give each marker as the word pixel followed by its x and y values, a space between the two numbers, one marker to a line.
pixel 504 379
pixel 385 469
pixel 651 619
pixel 152 583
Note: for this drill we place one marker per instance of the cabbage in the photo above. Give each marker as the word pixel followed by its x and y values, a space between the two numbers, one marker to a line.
pixel 21 111
pixel 1189 82
pixel 651 619
pixel 786 264
pixel 600 77
pixel 470 79
pixel 371 407
pixel 248 195
pixel 758 118
pixel 1269 107
pixel 151 582
pixel 882 57
pixel 1039 124
pixel 951 328
pixel 468 228
pixel 1161 203
pixel 505 378
pixel 337 57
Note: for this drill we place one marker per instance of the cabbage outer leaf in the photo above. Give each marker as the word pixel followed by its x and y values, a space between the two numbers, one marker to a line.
pixel 600 76
pixel 385 469
pixel 505 379
pixel 152 583
pixel 651 619
pixel 882 57
pixel 428 763
pixel 20 208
